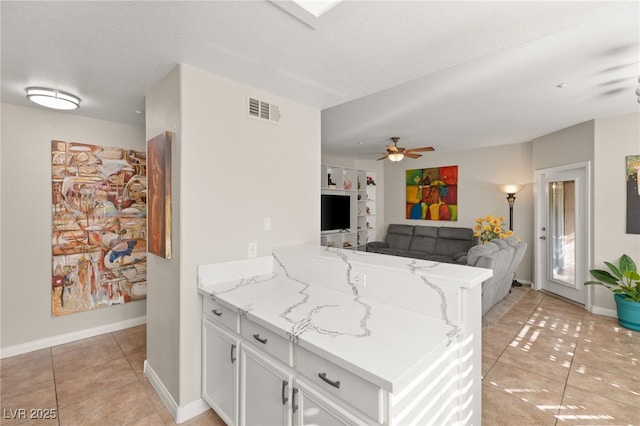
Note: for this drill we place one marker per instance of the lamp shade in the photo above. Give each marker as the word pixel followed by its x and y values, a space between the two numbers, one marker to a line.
pixel 510 189
pixel 52 98
pixel 396 157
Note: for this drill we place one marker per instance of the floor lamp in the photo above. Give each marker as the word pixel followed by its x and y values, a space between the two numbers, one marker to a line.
pixel 511 191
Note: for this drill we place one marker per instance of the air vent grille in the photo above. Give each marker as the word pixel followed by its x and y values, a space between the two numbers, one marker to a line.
pixel 263 110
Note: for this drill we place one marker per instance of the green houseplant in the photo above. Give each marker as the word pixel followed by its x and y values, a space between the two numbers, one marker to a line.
pixel 624 281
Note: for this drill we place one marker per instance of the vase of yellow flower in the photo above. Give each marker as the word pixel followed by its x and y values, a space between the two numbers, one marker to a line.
pixel 489 228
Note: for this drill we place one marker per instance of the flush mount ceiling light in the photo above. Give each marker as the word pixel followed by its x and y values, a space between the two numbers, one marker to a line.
pixel 52 98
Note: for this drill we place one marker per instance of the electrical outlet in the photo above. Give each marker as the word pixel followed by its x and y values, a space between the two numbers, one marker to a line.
pixel 253 249
pixel 359 279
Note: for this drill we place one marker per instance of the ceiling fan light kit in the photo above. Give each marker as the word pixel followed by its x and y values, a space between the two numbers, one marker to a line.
pixel 52 98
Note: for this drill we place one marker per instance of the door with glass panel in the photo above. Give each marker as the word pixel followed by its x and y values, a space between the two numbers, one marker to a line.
pixel 562 230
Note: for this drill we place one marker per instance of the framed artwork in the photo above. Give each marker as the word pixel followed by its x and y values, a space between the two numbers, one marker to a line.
pixel 432 194
pixel 98 212
pixel 159 193
pixel 633 194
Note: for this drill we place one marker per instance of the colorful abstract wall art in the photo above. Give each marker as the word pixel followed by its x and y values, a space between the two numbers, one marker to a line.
pixel 633 194
pixel 99 214
pixel 432 194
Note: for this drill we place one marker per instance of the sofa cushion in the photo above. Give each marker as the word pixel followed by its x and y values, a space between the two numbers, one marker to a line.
pixel 424 239
pixel 480 250
pixel 500 242
pixel 452 241
pixel 399 236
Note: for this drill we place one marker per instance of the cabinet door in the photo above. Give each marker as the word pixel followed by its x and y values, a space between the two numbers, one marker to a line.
pixel 265 392
pixel 310 407
pixel 220 372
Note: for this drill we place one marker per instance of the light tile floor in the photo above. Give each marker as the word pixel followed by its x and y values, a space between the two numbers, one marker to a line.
pixel 545 362
pixel 549 362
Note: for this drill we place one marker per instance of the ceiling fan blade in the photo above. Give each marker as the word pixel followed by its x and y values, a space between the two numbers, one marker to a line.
pixel 425 148
pixel 382 158
pixel 412 155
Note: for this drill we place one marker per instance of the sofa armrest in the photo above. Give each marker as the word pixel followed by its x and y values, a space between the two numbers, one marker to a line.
pixel 460 258
pixel 375 246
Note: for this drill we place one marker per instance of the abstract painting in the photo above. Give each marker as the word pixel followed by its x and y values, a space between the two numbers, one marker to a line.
pixel 99 227
pixel 432 194
pixel 633 194
pixel 159 153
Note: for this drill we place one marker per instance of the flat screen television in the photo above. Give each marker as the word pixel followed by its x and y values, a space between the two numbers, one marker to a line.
pixel 335 212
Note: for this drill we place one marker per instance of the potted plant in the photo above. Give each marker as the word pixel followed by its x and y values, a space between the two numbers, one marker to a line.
pixel 624 282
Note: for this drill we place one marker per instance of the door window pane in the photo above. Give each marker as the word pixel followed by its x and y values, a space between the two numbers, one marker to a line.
pixel 562 232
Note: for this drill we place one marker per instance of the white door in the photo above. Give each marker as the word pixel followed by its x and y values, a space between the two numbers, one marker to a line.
pixel 562 223
pixel 220 372
pixel 265 392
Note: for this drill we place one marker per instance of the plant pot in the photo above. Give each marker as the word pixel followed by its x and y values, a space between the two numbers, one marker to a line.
pixel 628 312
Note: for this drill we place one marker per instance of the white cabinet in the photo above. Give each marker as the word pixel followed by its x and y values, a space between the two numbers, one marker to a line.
pixel 220 372
pixel 265 390
pixel 250 377
pixel 370 209
pixel 312 408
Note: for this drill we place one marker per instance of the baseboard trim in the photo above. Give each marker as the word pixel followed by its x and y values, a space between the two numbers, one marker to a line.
pixel 61 339
pixel 604 311
pixel 180 414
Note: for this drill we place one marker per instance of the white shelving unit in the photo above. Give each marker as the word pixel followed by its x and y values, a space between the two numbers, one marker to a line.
pixel 370 211
pixel 352 182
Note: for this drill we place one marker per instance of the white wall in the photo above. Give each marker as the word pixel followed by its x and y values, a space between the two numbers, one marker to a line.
pixel 26 321
pixel 234 172
pixel 163 311
pixel 480 171
pixel 614 139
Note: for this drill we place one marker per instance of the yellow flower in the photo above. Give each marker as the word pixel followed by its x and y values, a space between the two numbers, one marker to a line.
pixel 489 228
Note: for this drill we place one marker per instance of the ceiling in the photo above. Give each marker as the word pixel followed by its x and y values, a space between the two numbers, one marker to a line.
pixel 452 75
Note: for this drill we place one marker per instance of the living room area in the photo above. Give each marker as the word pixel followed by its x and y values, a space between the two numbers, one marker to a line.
pixel 244 185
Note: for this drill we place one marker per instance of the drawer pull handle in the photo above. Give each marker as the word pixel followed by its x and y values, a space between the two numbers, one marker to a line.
pixel 233 354
pixel 294 407
pixel 284 389
pixel 216 312
pixel 335 384
pixel 257 337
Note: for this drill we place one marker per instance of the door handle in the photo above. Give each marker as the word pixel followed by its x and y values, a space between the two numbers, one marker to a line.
pixel 543 238
pixel 294 406
pixel 284 389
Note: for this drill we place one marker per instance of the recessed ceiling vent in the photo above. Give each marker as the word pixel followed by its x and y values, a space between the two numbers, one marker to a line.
pixel 263 110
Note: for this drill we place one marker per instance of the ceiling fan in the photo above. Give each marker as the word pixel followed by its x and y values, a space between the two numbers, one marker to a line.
pixel 396 153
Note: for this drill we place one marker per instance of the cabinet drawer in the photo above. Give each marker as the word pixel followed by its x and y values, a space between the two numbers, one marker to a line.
pixel 345 385
pixel 268 341
pixel 220 314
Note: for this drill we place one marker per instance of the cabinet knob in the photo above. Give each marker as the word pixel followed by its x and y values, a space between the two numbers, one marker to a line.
pixel 335 384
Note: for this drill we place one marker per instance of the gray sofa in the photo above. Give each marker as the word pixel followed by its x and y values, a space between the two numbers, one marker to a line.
pixel 503 256
pixel 436 243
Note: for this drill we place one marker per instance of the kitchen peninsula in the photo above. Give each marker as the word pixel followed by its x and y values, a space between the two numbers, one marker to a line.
pixel 317 335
